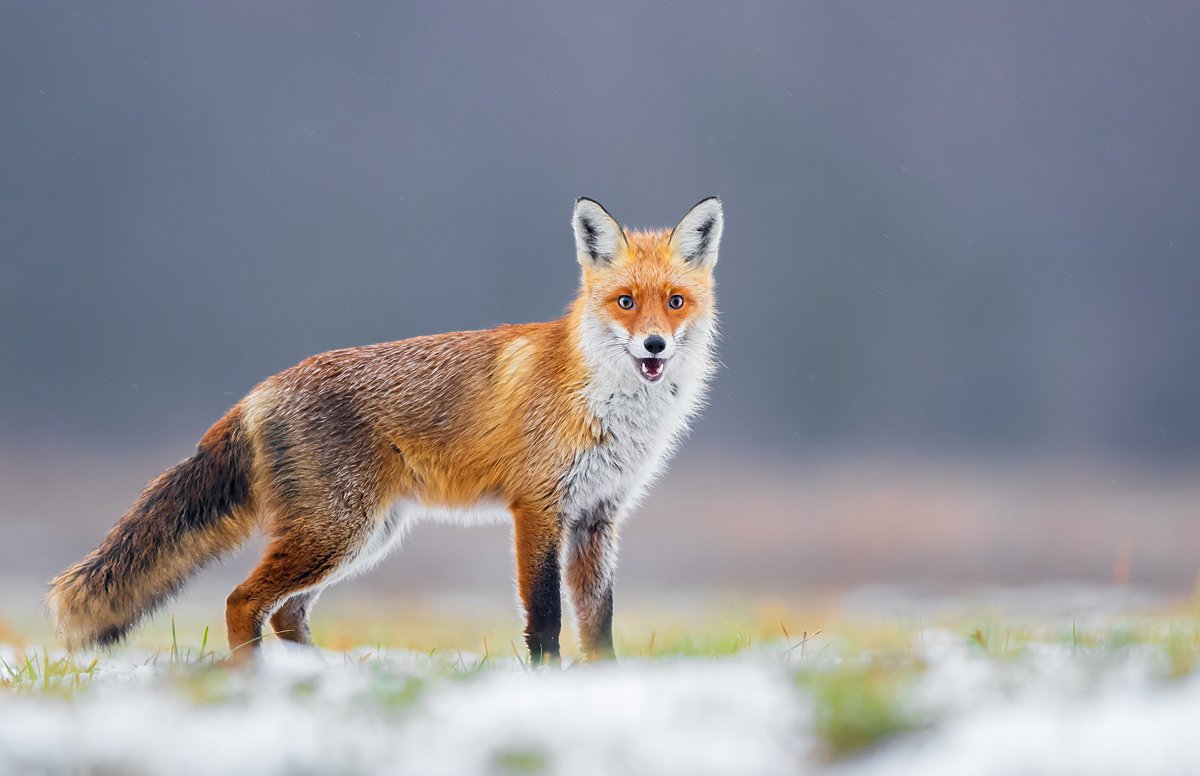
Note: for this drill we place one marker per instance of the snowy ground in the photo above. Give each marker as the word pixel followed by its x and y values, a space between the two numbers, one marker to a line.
pixel 1058 709
pixel 931 700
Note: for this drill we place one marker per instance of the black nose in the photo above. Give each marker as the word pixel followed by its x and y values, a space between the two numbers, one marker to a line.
pixel 655 344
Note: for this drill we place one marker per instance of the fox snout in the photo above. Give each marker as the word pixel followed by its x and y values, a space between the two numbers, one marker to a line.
pixel 652 346
pixel 651 353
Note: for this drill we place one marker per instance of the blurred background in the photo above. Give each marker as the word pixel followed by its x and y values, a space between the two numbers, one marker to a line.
pixel 959 282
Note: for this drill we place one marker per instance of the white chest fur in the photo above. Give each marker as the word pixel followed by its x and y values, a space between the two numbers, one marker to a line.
pixel 641 425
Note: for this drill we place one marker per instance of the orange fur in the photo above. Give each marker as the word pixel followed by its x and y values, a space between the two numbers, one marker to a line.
pixel 328 447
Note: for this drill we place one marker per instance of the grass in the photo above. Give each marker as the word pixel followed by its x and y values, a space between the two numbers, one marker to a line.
pixel 857 673
pixel 37 672
pixel 859 705
pixel 520 761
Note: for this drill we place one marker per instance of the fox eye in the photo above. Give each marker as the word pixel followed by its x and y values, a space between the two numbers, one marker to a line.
pixel 675 301
pixel 625 302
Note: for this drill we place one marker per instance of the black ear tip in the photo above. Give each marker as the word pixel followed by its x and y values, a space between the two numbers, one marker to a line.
pixel 713 199
pixel 594 203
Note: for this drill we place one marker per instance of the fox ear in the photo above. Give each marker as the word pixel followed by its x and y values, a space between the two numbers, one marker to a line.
pixel 697 236
pixel 598 236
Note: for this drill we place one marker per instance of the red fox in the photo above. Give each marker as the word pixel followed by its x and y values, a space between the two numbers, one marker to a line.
pixel 558 426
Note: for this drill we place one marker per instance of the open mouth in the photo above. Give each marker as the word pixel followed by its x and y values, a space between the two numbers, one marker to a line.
pixel 652 368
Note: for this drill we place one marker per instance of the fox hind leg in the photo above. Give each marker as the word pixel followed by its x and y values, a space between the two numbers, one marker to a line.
pixel 290 621
pixel 295 566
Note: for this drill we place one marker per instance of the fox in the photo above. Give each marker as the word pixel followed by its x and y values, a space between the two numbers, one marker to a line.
pixel 557 427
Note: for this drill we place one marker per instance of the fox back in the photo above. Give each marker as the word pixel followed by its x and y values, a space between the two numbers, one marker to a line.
pixel 559 427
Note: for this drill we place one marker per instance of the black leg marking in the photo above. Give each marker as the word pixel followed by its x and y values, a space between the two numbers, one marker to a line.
pixel 544 618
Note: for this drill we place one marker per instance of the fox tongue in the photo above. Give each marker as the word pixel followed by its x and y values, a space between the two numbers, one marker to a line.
pixel 652 367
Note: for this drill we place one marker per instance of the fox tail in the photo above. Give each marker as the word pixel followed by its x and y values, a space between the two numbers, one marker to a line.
pixel 188 516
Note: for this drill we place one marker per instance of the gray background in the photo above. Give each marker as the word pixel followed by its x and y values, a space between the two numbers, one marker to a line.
pixel 961 247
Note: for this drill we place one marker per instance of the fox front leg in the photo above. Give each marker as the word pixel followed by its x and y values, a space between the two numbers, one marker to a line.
pixel 537 533
pixel 591 568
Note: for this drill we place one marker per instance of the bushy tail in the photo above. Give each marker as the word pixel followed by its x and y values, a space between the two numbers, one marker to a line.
pixel 187 516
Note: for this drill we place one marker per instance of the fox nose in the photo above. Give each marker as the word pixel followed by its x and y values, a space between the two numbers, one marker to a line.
pixel 655 344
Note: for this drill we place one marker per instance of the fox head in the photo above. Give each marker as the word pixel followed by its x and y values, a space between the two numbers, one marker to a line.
pixel 647 309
